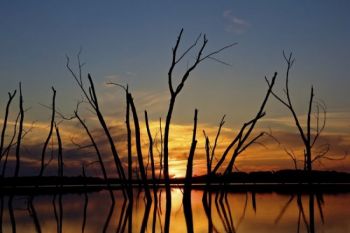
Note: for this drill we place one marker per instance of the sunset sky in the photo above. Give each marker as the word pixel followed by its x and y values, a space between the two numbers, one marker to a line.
pixel 130 43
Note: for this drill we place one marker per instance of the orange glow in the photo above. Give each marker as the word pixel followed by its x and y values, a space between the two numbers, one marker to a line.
pixel 266 156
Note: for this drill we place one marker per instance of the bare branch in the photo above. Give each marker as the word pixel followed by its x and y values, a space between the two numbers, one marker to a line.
pixel 93 144
pixel 219 61
pixel 11 143
pixel 189 49
pixel 222 122
pixel 218 51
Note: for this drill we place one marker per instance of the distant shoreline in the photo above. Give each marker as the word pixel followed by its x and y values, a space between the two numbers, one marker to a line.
pixel 283 181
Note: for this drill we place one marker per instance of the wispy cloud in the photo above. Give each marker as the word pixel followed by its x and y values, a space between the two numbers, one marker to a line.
pixel 235 24
pixel 268 154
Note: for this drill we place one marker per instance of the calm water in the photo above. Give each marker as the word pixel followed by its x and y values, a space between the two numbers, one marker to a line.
pixel 234 212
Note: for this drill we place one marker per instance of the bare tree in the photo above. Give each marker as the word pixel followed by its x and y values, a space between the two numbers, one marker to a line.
pixel 305 134
pixel 50 133
pixel 60 152
pixel 99 156
pixel 20 130
pixel 139 148
pixel 161 149
pixel 289 152
pixel 7 150
pixel 210 151
pixel 174 91
pixel 91 97
pixel 150 150
pixel 127 122
pixel 4 125
pixel 241 140
pixel 189 168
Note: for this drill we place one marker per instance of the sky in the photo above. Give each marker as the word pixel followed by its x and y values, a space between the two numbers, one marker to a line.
pixel 129 42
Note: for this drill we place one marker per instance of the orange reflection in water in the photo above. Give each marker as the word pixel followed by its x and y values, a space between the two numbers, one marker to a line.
pixel 236 212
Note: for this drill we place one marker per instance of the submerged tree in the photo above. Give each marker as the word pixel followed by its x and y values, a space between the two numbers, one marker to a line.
pixel 91 98
pixel 4 127
pixel 174 92
pixel 242 140
pixel 50 132
pixel 20 130
pixel 308 138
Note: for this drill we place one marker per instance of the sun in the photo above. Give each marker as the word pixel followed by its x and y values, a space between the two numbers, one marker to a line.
pixel 177 168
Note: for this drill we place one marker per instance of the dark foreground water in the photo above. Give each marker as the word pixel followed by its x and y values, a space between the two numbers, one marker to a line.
pixel 230 212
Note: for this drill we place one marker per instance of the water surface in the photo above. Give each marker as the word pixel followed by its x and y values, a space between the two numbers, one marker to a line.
pixel 221 212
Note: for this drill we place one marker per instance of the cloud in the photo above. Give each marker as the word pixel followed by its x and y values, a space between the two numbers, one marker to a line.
pixel 234 23
pixel 270 156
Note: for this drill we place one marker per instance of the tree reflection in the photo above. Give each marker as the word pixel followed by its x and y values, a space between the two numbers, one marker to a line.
pixel 33 214
pixel 222 210
pixel 12 214
pixel 309 221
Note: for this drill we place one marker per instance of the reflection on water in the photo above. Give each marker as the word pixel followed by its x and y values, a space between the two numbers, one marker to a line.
pixel 193 211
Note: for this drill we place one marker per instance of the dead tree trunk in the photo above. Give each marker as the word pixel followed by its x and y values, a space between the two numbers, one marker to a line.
pixel 138 147
pixel 99 156
pixel 175 91
pixel 91 98
pixel 4 125
pixel 127 121
pixel 60 152
pixel 3 132
pixel 189 170
pixel 20 131
pixel 6 152
pixel 243 135
pixel 150 149
pixel 305 134
pixel 50 133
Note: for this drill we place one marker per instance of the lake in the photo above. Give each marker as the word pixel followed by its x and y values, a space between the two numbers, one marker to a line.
pixel 222 212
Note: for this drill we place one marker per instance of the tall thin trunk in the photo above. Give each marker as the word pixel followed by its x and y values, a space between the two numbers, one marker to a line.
pixel 188 182
pixel 6 152
pixel 150 148
pixel 308 145
pixel 189 170
pixel 99 156
pixel 166 140
pixel 4 125
pixel 91 98
pixel 20 131
pixel 138 147
pixel 49 135
pixel 166 167
pixel 60 155
pixel 161 149
pixel 127 121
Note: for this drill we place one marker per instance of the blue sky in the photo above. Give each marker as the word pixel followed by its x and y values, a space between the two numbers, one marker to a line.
pixel 133 40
